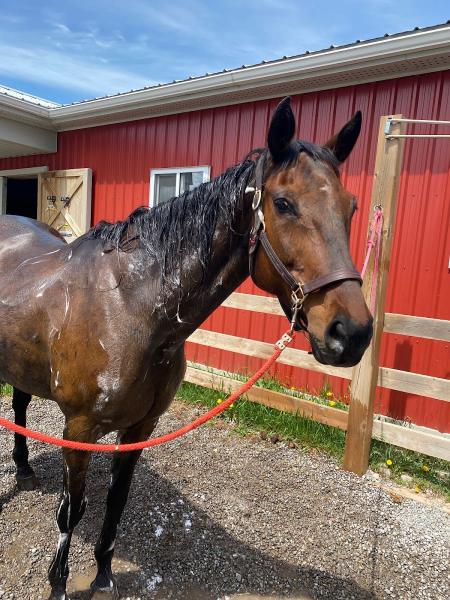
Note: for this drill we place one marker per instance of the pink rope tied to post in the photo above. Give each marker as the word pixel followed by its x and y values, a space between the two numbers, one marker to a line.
pixel 374 241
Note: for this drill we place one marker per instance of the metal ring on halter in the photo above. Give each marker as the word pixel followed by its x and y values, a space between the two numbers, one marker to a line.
pixel 256 199
pixel 262 222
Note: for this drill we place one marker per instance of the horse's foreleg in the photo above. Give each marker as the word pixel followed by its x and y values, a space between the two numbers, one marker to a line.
pixel 72 505
pixel 25 477
pixel 122 469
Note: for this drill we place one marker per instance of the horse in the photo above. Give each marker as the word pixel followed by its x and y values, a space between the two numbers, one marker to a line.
pixel 99 325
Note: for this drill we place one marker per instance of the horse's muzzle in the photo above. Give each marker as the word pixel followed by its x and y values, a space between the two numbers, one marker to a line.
pixel 344 342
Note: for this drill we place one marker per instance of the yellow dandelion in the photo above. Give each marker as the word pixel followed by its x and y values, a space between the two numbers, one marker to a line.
pixel 332 403
pixel 219 401
pixel 417 489
pixel 329 394
pixel 389 462
pixel 425 468
pixel 231 405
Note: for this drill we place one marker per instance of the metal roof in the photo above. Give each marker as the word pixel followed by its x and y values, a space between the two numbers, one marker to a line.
pixel 31 98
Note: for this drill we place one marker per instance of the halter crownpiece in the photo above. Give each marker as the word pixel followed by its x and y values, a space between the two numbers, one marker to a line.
pixel 299 289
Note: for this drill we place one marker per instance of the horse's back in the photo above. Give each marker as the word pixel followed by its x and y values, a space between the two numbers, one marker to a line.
pixel 21 238
pixel 12 225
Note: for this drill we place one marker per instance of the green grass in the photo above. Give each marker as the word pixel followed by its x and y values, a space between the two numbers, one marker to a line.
pixel 6 389
pixel 249 417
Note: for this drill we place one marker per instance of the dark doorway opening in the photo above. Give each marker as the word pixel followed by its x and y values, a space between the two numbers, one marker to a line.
pixel 21 197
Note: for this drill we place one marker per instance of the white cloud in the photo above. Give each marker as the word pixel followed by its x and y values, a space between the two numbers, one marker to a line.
pixel 61 27
pixel 61 70
pixel 186 17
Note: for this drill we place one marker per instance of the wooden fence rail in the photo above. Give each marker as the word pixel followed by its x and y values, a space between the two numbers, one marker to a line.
pixel 428 442
pixel 434 329
pixel 420 440
pixel 393 379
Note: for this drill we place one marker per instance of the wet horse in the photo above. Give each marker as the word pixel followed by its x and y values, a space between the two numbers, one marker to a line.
pixel 99 326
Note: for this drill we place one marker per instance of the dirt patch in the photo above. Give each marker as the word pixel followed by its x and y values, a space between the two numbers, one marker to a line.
pixel 217 516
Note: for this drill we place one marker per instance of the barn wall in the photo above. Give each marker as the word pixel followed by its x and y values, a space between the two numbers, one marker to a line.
pixel 122 155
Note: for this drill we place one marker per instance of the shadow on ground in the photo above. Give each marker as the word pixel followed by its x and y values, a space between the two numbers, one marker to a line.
pixel 195 557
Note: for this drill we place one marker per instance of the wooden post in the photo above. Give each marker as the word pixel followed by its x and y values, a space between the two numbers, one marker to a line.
pixel 365 374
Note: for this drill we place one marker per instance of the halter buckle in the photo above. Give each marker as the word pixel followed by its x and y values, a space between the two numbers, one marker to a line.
pixel 298 297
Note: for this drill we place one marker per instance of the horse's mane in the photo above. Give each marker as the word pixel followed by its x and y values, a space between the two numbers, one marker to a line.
pixel 185 225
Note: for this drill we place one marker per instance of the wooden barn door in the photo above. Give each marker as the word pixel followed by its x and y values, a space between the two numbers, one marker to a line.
pixel 64 201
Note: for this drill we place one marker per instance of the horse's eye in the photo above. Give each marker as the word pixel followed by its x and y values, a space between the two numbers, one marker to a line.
pixel 283 206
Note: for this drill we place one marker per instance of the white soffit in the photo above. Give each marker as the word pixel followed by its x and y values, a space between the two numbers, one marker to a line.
pixel 22 139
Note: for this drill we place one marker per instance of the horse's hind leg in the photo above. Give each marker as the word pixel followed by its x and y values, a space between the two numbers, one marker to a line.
pixel 72 505
pixel 25 477
pixel 122 469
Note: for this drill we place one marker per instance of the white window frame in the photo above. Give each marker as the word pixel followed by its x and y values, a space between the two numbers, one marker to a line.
pixel 206 170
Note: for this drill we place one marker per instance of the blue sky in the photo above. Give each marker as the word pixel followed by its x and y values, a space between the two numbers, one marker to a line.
pixel 69 51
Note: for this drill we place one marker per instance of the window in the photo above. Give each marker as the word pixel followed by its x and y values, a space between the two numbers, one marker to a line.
pixel 167 183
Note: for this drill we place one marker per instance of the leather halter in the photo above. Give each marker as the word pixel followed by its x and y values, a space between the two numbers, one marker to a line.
pixel 299 289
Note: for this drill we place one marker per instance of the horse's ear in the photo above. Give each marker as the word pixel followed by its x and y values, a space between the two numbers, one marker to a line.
pixel 281 130
pixel 343 142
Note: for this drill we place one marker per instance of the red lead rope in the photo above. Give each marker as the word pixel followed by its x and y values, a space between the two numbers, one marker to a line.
pixel 42 437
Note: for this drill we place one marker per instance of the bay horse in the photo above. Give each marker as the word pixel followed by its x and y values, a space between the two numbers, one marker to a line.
pixel 99 325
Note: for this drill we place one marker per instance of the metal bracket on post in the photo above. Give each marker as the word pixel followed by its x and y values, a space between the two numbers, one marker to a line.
pixel 387 126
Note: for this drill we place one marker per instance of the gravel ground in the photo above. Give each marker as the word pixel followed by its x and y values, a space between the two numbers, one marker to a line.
pixel 218 516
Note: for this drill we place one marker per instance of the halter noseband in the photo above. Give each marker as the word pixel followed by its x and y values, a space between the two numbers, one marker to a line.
pixel 299 289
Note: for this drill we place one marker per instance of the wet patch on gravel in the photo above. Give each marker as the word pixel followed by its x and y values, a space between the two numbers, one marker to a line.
pixel 218 516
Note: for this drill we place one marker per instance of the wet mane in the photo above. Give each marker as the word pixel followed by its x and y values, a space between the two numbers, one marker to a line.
pixel 182 226
pixel 185 225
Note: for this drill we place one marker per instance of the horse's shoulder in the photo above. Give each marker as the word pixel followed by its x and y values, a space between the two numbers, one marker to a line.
pixel 89 266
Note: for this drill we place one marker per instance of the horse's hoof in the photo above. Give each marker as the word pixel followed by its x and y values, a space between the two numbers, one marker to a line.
pixel 104 585
pixel 58 596
pixel 28 483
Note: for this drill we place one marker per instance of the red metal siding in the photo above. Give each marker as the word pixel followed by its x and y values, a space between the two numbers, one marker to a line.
pixel 122 155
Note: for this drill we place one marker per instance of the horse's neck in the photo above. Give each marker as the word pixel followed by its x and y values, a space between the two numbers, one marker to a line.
pixel 223 278
pixel 203 290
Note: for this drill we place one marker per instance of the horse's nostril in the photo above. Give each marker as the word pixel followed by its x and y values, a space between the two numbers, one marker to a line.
pixel 339 329
pixel 345 337
pixel 336 337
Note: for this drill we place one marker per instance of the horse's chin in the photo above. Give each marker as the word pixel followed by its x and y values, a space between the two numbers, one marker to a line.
pixel 325 357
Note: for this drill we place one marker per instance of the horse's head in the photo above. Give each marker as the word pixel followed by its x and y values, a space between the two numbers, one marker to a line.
pixel 307 214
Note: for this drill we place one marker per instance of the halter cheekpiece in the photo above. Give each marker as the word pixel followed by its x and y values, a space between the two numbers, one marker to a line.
pixel 299 289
